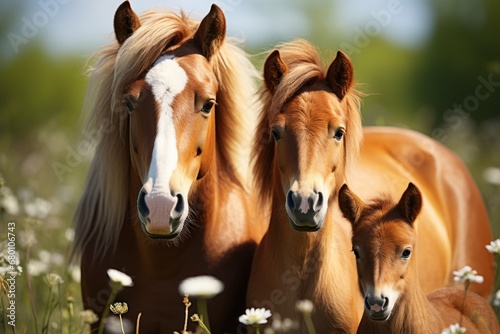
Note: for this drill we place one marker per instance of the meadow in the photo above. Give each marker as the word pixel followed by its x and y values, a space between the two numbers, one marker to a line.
pixel 447 87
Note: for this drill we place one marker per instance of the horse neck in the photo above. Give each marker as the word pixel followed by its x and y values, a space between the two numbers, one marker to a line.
pixel 413 313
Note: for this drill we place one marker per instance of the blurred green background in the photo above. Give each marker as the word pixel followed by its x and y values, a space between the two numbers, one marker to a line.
pixel 432 66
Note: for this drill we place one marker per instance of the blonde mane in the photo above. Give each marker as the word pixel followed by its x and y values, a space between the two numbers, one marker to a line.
pixel 104 207
pixel 305 69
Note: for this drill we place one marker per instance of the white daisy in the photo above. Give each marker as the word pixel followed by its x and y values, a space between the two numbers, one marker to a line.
pixel 494 247
pixel 255 316
pixel 467 274
pixel 119 277
pixel 201 287
pixel 454 329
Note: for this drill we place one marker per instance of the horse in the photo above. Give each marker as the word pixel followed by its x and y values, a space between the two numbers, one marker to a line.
pixel 310 140
pixel 169 193
pixel 384 242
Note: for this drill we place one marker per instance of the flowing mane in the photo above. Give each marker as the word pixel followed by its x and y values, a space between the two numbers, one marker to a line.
pixel 104 205
pixel 305 70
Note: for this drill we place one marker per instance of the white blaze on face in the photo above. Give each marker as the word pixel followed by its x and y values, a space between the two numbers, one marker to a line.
pixel 167 79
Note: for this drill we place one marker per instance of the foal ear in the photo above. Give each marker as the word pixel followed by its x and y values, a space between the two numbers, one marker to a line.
pixel 125 22
pixel 350 204
pixel 274 70
pixel 411 203
pixel 211 32
pixel 340 75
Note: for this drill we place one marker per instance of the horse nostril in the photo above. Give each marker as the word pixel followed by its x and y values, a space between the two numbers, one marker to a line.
pixel 385 304
pixel 179 206
pixel 367 304
pixel 318 202
pixel 142 207
pixel 290 200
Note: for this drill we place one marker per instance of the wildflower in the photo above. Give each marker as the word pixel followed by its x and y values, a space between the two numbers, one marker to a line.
pixel 8 202
pixel 89 317
pixel 283 325
pixel 37 267
pixel 51 258
pixel 492 175
pixel 69 234
pixel 201 287
pixel 494 247
pixel 119 308
pixel 496 299
pixel 467 274
pixel 454 329
pixel 27 238
pixel 75 273
pixel 119 278
pixel 304 306
pixel 38 208
pixel 53 280
pixel 255 316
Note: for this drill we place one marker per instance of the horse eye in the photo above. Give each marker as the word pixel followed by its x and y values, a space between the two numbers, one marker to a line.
pixel 406 254
pixel 130 105
pixel 276 134
pixel 339 133
pixel 356 254
pixel 207 106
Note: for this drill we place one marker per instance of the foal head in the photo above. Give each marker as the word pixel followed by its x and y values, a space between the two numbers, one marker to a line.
pixel 383 242
pixel 171 120
pixel 314 126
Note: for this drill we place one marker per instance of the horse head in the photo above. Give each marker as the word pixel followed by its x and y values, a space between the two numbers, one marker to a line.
pixel 383 243
pixel 313 125
pixel 171 120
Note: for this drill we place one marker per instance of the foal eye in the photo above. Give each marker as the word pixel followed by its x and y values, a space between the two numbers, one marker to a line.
pixel 356 254
pixel 406 254
pixel 339 133
pixel 276 134
pixel 207 106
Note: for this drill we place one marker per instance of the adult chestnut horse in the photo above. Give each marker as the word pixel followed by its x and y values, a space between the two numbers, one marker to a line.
pixel 167 196
pixel 385 245
pixel 312 119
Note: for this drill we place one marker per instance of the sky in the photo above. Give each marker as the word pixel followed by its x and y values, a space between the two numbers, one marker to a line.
pixel 68 26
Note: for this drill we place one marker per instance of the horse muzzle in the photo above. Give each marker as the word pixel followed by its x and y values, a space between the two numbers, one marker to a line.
pixel 377 308
pixel 306 213
pixel 162 216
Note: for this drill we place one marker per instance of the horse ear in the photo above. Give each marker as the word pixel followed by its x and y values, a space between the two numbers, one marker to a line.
pixel 340 75
pixel 125 22
pixel 274 69
pixel 211 32
pixel 411 203
pixel 350 204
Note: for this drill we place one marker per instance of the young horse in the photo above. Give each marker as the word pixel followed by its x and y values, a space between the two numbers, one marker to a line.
pixel 385 245
pixel 307 113
pixel 312 120
pixel 166 196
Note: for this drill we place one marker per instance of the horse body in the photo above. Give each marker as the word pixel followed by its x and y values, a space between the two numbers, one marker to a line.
pixel 385 245
pixel 168 195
